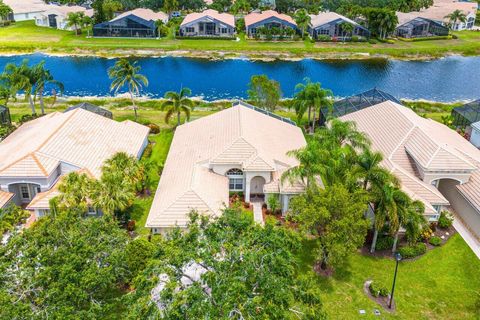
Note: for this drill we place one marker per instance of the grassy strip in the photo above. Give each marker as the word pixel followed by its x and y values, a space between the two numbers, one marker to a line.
pixel 26 37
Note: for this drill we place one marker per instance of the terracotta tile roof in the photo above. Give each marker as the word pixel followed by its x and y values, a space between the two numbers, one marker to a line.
pixel 80 138
pixel 145 14
pixel 5 197
pixel 256 17
pixel 238 136
pixel 210 14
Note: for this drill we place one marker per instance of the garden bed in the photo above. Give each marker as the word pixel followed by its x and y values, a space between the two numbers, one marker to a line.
pixel 381 300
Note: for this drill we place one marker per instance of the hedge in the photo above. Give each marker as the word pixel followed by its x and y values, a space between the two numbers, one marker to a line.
pixel 204 38
pixel 413 251
pixel 426 38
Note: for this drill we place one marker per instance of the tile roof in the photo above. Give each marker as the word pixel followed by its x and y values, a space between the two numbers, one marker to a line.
pixel 212 14
pixel 78 137
pixel 438 11
pixel 5 197
pixel 407 139
pixel 145 14
pixel 238 136
pixel 326 17
pixel 256 17
pixel 26 6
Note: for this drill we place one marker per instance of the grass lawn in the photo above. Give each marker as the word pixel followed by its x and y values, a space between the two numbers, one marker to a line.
pixel 26 37
pixel 442 284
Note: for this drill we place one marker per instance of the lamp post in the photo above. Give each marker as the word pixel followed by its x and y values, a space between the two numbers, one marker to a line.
pixel 398 257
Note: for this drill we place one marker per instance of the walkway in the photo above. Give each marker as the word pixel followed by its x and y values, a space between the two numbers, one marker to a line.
pixel 257 212
pixel 472 242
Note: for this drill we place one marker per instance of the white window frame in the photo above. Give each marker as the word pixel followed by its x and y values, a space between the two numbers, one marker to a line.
pixel 22 192
pixel 235 179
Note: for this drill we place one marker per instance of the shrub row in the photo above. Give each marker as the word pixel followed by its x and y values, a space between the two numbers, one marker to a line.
pixel 378 290
pixel 426 38
pixel 413 251
pixel 204 38
pixel 325 38
pixel 384 243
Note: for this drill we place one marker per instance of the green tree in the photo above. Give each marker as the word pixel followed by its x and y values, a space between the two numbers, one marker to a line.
pixel 455 17
pixel 169 6
pixel 75 190
pixel 264 92
pixel 126 74
pixel 370 170
pixel 132 169
pixel 335 216
pixel 76 20
pixel 302 18
pixel 229 267
pixel 109 7
pixel 11 216
pixel 5 11
pixel 176 103
pixel 413 220
pixel 112 194
pixel 240 6
pixel 43 78
pixel 64 267
pixel 347 30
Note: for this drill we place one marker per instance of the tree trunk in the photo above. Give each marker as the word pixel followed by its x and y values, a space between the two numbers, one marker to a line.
pixel 374 241
pixel 134 105
pixel 178 118
pixel 395 242
pixel 314 120
pixel 42 106
pixel 309 117
pixel 32 105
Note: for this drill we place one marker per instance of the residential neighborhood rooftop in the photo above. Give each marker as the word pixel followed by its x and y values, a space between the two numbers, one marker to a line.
pixel 256 17
pixel 226 18
pixel 146 14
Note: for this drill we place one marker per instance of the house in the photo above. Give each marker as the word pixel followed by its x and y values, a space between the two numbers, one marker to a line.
pixel 434 163
pixel 5 118
pixel 92 108
pixel 57 16
pixel 330 24
pixel 25 9
pixel 242 149
pixel 138 23
pixel 428 22
pixel 208 23
pixel 413 26
pixel 267 19
pixel 475 134
pixel 35 157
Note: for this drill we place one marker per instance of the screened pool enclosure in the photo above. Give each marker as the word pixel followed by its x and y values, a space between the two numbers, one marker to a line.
pixel 467 114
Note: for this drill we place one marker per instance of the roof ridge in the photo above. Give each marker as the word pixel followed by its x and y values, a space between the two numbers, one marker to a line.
pixel 403 141
pixel 433 155
pixel 39 164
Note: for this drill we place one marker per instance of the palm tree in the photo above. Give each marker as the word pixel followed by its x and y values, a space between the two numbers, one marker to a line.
pixel 74 190
pixel 455 16
pixel 112 193
pixel 342 133
pixel 21 78
pixel 177 102
pixel 368 166
pixel 133 170
pixel 44 77
pixel 347 29
pixel 413 220
pixel 124 74
pixel 76 20
pixel 309 166
pixel 159 24
pixel 87 22
pixel 5 10
pixel 302 18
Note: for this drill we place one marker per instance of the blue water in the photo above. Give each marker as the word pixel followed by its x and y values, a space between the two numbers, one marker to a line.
pixel 449 79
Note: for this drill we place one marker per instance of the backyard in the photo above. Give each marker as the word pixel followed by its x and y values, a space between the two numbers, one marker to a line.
pixel 25 37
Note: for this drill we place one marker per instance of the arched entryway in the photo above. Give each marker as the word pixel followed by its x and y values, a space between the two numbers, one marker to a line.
pixel 256 188
pixel 24 192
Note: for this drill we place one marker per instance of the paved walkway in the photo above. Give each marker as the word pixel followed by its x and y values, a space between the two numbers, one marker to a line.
pixel 472 242
pixel 257 212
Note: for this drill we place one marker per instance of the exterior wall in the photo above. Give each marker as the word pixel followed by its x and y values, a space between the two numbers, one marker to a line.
pixel 142 149
pixel 475 137
pixel 193 29
pixel 249 175
pixel 25 16
pixel 433 178
pixel 251 29
pixel 332 29
pixel 461 205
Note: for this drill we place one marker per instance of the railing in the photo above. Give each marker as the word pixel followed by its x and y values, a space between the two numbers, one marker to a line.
pixel 268 113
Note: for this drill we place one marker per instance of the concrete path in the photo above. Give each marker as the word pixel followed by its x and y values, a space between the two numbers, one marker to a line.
pixel 472 242
pixel 257 212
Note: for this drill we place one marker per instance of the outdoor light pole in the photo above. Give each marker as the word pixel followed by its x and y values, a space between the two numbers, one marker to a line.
pixel 398 257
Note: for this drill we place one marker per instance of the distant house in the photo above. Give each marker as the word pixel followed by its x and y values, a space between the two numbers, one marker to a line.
pixel 418 27
pixel 464 116
pixel 208 23
pixel 226 152
pixel 25 9
pixel 5 118
pixel 267 19
pixel 138 23
pixel 92 108
pixel 330 24
pixel 56 16
pixel 39 153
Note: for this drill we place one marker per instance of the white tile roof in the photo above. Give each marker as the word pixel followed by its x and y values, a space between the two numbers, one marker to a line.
pixel 255 17
pixel 146 14
pixel 317 20
pixel 78 137
pixel 26 6
pixel 406 139
pixel 238 136
pixel 438 11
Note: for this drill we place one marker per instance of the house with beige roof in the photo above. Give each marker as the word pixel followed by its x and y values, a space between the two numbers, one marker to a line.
pixel 208 23
pixel 35 157
pixel 330 24
pixel 56 16
pixel 434 163
pixel 24 10
pixel 242 149
pixel 267 19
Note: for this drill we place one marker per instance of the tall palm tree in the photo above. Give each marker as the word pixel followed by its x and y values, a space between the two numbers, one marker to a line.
pixel 76 20
pixel 177 102
pixel 124 73
pixel 302 18
pixel 347 30
pixel 74 190
pixel 133 170
pixel 112 193
pixel 309 166
pixel 343 133
pixel 368 166
pixel 413 220
pixel 456 16
pixel 21 78
pixel 44 77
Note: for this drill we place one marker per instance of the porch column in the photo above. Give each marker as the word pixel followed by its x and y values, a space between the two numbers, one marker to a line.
pixel 285 202
pixel 247 188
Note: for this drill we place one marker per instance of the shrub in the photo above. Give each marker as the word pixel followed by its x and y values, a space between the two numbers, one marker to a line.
pixel 148 151
pixel 445 221
pixel 427 233
pixel 372 41
pixel 154 129
pixel 413 251
pixel 273 202
pixel 378 290
pixel 384 243
pixel 435 241
pixel 27 117
pixel 324 38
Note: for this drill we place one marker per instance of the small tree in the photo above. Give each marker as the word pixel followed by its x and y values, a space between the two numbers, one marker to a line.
pixel 302 18
pixel 177 102
pixel 5 11
pixel 264 92
pixel 76 20
pixel 456 16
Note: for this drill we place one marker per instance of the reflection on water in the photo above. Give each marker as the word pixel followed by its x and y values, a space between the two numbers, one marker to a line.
pixel 449 79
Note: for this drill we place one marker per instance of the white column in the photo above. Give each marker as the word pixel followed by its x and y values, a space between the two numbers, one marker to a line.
pixel 284 203
pixel 247 188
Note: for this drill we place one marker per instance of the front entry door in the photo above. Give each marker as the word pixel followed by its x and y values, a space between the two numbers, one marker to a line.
pixel 256 187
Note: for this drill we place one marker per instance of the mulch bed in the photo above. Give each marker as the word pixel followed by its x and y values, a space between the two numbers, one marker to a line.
pixel 383 301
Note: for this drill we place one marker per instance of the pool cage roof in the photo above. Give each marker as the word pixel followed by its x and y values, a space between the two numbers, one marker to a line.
pixel 92 108
pixel 5 116
pixel 467 114
pixel 357 102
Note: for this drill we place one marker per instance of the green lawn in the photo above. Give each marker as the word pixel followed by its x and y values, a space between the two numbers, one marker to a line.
pixel 26 37
pixel 442 284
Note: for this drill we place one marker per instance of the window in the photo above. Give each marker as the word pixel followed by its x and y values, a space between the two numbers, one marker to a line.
pixel 190 29
pixel 235 177
pixel 223 30
pixel 253 30
pixel 324 31
pixel 24 191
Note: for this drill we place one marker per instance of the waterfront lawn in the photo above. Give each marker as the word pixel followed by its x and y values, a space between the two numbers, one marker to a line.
pixel 26 37
pixel 442 284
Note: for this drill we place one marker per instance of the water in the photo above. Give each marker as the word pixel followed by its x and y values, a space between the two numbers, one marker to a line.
pixel 448 79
